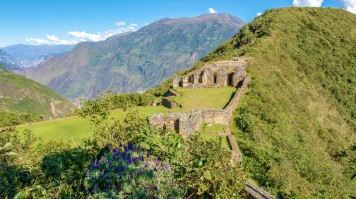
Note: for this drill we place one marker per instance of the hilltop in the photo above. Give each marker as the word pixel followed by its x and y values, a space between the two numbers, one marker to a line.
pixel 20 94
pixel 138 60
pixel 296 125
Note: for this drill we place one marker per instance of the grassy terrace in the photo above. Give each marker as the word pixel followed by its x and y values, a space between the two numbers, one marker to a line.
pixel 210 98
pixel 74 129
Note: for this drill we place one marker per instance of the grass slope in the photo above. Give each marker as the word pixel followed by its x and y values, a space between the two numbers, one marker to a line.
pixel 296 125
pixel 23 95
pixel 74 129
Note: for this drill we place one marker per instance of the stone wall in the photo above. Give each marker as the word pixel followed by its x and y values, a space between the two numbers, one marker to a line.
pixel 189 122
pixel 218 74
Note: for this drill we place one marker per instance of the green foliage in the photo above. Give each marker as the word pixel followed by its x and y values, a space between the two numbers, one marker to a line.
pixel 8 118
pixel 296 125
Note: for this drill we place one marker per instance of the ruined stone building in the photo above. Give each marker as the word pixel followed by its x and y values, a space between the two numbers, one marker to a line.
pixel 218 74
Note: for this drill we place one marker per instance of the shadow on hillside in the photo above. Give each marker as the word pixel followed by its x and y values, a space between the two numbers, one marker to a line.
pixel 65 168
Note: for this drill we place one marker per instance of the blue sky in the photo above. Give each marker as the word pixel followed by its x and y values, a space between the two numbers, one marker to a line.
pixel 72 21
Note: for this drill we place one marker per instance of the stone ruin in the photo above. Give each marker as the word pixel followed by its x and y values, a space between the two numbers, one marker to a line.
pixel 215 75
pixel 186 123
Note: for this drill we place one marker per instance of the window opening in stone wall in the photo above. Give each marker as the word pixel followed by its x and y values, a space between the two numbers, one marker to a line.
pixel 191 79
pixel 176 125
pixel 200 80
pixel 230 79
pixel 215 78
pixel 181 83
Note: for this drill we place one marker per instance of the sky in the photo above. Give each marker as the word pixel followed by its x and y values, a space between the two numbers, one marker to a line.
pixel 71 21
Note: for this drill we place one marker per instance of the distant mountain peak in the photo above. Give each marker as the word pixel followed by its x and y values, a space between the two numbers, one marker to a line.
pixel 136 61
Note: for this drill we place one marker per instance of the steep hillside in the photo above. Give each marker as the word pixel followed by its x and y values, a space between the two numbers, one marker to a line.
pixel 296 125
pixel 23 95
pixel 138 60
pixel 33 55
pixel 8 61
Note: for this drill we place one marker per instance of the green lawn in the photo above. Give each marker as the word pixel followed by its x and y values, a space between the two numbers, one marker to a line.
pixel 210 98
pixel 224 139
pixel 74 129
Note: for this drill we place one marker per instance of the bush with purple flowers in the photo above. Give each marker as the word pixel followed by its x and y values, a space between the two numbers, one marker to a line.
pixel 129 172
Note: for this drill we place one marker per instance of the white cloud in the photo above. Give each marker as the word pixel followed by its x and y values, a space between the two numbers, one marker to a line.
pixel 259 14
pixel 53 38
pixel 37 41
pixel 82 36
pixel 211 10
pixel 120 23
pixel 350 5
pixel 307 3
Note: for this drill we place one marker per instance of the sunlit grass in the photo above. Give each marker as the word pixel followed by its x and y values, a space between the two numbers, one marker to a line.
pixel 75 129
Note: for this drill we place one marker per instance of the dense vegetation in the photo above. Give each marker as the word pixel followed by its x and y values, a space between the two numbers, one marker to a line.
pixel 20 94
pixel 296 125
pixel 124 158
pixel 8 118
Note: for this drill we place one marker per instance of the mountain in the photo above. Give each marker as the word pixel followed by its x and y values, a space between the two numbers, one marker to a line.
pixel 8 61
pixel 23 95
pixel 296 124
pixel 33 55
pixel 138 60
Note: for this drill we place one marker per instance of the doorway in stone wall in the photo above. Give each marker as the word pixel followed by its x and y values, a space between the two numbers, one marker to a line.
pixel 215 78
pixel 176 125
pixel 230 79
pixel 181 83
pixel 191 79
pixel 200 80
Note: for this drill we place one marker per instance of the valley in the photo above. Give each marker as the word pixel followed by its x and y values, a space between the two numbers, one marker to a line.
pixel 201 107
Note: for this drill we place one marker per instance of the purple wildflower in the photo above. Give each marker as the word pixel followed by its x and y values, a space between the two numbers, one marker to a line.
pixel 120 176
pixel 154 169
pixel 95 163
pixel 148 153
pixel 157 161
pixel 102 173
pixel 107 148
pixel 146 164
pixel 106 187
pixel 132 175
pixel 101 159
pixel 95 188
pixel 88 173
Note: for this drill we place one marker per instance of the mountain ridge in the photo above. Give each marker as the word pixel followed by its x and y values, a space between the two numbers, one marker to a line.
pixel 138 60
pixel 20 94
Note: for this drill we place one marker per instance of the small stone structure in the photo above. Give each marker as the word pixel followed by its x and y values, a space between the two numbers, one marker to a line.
pixel 171 92
pixel 169 103
pixel 218 74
